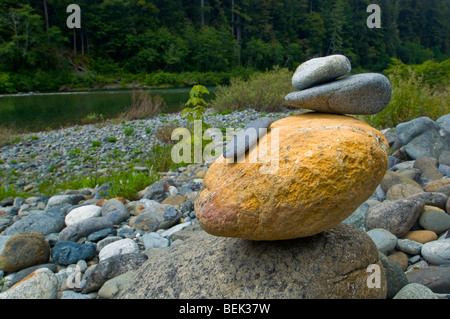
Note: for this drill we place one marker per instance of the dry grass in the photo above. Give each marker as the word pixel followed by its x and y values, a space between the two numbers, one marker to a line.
pixel 7 136
pixel 263 91
pixel 143 106
pixel 164 133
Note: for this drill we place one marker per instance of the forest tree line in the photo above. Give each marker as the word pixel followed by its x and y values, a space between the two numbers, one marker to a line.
pixel 173 36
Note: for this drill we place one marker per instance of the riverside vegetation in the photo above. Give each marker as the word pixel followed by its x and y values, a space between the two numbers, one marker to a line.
pixel 81 243
pixel 419 90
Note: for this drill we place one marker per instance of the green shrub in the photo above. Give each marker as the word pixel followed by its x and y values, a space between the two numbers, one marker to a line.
pixel 128 130
pixel 112 139
pixel 262 91
pixel 128 183
pixel 412 97
pixel 92 118
pixel 96 143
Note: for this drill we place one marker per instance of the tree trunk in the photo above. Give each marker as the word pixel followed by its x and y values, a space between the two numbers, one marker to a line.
pixel 202 5
pixel 232 17
pixel 74 41
pixel 46 15
pixel 82 43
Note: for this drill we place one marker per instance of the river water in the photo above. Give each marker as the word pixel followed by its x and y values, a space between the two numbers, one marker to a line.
pixel 44 111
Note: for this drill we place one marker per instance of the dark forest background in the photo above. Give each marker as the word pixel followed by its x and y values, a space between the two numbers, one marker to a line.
pixel 152 42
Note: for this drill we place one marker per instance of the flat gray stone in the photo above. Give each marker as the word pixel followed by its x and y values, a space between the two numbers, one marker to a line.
pixel 320 70
pixel 247 137
pixel 364 94
pixel 437 252
pixel 415 291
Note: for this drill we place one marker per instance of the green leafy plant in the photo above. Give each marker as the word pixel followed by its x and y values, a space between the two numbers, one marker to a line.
pixel 128 130
pixel 195 106
pixel 262 91
pixel 96 143
pixel 112 139
pixel 92 118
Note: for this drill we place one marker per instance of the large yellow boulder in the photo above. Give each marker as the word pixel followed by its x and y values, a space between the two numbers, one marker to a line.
pixel 324 167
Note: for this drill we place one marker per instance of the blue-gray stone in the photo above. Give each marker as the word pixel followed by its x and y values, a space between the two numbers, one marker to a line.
pixel 365 94
pixel 85 228
pixel 423 137
pixel 115 210
pixel 69 252
pixel 99 235
pixel 154 240
pixel 44 223
pixel 320 70
pixel 247 137
pixel 444 122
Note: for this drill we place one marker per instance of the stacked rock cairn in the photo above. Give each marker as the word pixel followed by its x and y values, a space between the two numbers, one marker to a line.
pixel 327 164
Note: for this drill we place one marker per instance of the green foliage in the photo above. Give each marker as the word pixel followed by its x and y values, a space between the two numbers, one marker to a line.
pixel 128 183
pixel 128 130
pixel 96 143
pixel 195 106
pixel 112 139
pixel 413 96
pixel 262 91
pixel 92 118
pixel 163 43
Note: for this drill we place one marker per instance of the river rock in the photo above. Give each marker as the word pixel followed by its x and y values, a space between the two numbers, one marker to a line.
pixel 115 210
pixel 396 216
pixel 60 200
pixel 112 288
pixel 51 221
pixel 434 219
pixel 428 167
pixel 434 277
pixel 157 191
pixel 415 291
pixel 383 239
pixel 112 267
pixel 69 252
pixel 154 240
pixel 325 163
pixel 103 233
pixel 437 252
pixel 123 246
pixel 320 70
pixel 395 277
pixel 247 137
pixel 237 268
pixel 151 219
pixel 24 250
pixel 402 191
pixel 423 137
pixel 82 212
pixel 41 284
pixel 401 259
pixel 18 276
pixel 431 198
pixel 84 228
pixel 439 186
pixel 366 93
pixel 421 236
pixel 409 246
pixel 444 123
pixel 392 178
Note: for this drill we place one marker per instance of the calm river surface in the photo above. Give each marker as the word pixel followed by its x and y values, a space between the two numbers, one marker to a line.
pixel 40 111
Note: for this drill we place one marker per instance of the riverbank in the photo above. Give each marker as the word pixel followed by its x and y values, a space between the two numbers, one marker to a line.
pixel 83 155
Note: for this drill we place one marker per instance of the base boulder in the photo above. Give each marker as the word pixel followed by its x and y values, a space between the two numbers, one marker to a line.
pixel 332 264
